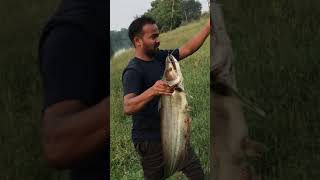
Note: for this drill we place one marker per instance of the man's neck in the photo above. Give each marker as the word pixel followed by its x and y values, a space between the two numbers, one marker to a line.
pixel 142 55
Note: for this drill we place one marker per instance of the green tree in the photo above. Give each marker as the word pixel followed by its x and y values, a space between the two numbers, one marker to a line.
pixel 167 13
pixel 191 10
pixel 119 40
pixel 170 13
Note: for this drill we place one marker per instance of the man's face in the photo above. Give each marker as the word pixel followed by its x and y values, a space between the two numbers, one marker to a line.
pixel 149 40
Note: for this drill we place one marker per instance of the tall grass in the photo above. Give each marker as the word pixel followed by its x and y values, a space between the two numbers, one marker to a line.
pixel 20 90
pixel 124 160
pixel 276 47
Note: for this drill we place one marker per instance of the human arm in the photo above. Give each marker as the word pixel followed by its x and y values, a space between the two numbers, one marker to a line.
pixel 194 43
pixel 134 103
pixel 75 122
pixel 72 130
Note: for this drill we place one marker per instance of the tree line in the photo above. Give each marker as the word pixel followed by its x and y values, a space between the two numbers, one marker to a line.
pixel 170 14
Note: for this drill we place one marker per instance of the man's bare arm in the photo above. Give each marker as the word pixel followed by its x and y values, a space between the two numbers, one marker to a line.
pixel 71 131
pixel 133 103
pixel 194 43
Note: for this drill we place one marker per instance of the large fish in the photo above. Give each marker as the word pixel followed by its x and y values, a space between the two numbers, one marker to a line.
pixel 231 145
pixel 175 121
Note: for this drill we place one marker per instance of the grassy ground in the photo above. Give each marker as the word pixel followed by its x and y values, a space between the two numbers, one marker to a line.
pixel 276 46
pixel 124 160
pixel 20 90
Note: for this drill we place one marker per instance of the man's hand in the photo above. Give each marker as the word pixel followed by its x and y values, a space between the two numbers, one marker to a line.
pixel 162 88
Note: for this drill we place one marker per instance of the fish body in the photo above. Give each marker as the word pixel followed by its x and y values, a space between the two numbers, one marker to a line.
pixel 230 143
pixel 175 120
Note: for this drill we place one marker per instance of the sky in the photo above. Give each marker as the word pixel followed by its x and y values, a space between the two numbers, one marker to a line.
pixel 122 12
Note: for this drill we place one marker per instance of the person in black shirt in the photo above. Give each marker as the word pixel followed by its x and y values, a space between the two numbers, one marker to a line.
pixel 142 87
pixel 74 64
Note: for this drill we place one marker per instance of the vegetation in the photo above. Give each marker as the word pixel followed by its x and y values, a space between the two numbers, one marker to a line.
pixel 20 91
pixel 276 48
pixel 119 40
pixel 169 14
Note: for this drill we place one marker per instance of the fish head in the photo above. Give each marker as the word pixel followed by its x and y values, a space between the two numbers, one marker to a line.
pixel 171 75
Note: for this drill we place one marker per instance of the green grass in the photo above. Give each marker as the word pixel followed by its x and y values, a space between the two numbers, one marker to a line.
pixel 20 91
pixel 124 160
pixel 276 47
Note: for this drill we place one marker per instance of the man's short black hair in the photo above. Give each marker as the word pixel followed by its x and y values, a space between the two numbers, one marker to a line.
pixel 136 26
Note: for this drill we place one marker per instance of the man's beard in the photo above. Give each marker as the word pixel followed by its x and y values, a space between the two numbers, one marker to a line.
pixel 152 52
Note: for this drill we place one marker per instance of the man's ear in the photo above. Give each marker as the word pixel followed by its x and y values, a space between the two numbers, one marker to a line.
pixel 137 41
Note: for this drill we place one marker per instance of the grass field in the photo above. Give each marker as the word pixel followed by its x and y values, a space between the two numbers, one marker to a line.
pixel 20 91
pixel 124 160
pixel 276 47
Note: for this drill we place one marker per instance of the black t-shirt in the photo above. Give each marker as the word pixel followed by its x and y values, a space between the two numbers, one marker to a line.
pixel 73 53
pixel 137 77
pixel 88 15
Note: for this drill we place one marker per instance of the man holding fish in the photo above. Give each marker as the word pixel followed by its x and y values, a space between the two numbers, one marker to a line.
pixel 143 87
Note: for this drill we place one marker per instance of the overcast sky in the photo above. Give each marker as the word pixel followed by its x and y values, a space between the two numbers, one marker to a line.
pixel 122 12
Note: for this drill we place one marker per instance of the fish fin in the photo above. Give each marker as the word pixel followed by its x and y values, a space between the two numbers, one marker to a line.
pixel 179 88
pixel 226 90
pixel 174 82
pixel 191 97
pixel 189 108
pixel 248 104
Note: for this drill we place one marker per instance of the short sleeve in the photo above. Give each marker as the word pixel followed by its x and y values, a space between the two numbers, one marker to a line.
pixel 67 66
pixel 132 82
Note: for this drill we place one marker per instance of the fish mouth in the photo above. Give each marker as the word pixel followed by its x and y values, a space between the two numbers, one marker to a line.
pixel 174 82
pixel 173 63
pixel 172 76
pixel 172 79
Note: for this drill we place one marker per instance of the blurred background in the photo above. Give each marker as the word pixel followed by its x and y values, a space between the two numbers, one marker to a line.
pixel 276 46
pixel 21 155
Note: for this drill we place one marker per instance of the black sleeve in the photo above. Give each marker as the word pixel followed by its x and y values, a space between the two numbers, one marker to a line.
pixel 67 56
pixel 132 82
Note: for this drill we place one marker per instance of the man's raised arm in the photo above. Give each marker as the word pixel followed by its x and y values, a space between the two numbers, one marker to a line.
pixel 194 43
